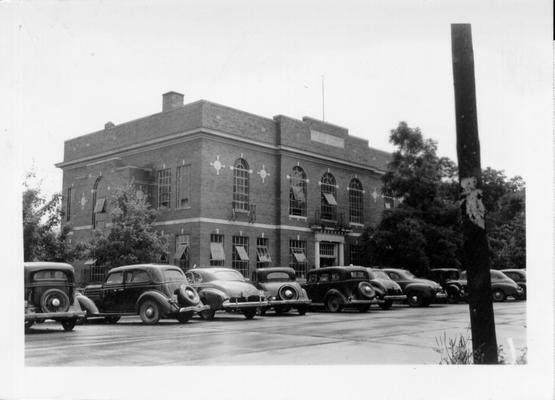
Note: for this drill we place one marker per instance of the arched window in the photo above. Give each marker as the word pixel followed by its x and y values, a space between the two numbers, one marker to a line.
pixel 355 201
pixel 328 190
pixel 241 185
pixel 297 192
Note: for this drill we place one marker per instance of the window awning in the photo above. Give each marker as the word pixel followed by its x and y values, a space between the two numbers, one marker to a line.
pixel 298 193
pixel 181 250
pixel 91 261
pixel 263 254
pixel 299 255
pixel 242 253
pixel 99 206
pixel 330 199
pixel 217 252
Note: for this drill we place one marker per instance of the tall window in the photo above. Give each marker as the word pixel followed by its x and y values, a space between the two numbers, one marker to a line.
pixel 68 203
pixel 355 201
pixel 217 255
pixel 97 203
pixel 355 253
pixel 183 178
pixel 328 191
pixel 297 257
pixel 240 258
pixel 164 188
pixel 241 185
pixel 263 258
pixel 297 192
pixel 182 255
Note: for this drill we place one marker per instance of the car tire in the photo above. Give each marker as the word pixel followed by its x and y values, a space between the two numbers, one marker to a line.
pixel 187 295
pixel 207 315
pixel 498 295
pixel 184 317
pixel 249 313
pixel 333 304
pixel 149 312
pixel 414 299
pixel 54 300
pixel 386 305
pixel 301 310
pixel 112 319
pixel 522 296
pixel 68 324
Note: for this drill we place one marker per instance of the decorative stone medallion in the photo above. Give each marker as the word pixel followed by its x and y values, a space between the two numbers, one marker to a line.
pixel 217 164
pixel 263 173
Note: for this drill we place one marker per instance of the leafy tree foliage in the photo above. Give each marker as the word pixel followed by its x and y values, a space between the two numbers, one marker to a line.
pixel 131 238
pixel 423 231
pixel 43 239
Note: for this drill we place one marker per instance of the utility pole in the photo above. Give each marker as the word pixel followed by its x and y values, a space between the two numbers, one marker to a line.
pixel 482 322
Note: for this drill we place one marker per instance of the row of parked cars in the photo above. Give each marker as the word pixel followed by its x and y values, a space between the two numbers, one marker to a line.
pixel 156 291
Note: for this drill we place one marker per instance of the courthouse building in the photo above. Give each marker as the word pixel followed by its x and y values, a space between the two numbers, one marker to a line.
pixel 232 188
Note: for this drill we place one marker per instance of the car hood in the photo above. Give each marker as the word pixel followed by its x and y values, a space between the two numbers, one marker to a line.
pixel 235 288
pixel 386 283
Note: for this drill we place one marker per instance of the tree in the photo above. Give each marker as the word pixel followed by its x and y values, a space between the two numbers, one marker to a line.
pixel 131 238
pixel 43 239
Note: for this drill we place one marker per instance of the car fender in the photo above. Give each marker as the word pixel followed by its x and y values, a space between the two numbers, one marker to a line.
pixel 378 288
pixel 86 304
pixel 336 293
pixel 420 288
pixel 453 288
pixel 212 297
pixel 158 297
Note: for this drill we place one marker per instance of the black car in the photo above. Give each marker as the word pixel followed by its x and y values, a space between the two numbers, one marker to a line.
pixel 50 294
pixel 150 290
pixel 340 287
pixel 501 286
pixel 519 276
pixel 420 292
pixel 450 280
pixel 387 290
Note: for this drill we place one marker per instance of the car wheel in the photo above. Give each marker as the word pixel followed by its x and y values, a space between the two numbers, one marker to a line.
pixel 333 304
pixel 301 310
pixel 249 313
pixel 364 308
pixel 54 300
pixel 498 295
pixel 414 299
pixel 112 319
pixel 523 295
pixel 452 297
pixel 207 315
pixel 184 317
pixel 386 305
pixel 149 312
pixel 187 295
pixel 68 324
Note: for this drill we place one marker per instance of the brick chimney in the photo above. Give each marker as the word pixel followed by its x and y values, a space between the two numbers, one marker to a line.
pixel 171 101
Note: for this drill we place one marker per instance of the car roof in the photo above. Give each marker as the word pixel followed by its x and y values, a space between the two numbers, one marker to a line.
pixel 145 266
pixel 513 270
pixel 338 267
pixel 40 265
pixel 395 269
pixel 211 269
pixel 275 269
pixel 444 269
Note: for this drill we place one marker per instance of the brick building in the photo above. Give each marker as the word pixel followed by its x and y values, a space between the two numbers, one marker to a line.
pixel 233 188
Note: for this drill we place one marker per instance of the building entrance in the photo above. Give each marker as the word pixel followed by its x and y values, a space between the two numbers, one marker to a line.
pixel 328 254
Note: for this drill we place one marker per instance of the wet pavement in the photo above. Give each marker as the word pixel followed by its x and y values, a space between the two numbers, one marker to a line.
pixel 401 335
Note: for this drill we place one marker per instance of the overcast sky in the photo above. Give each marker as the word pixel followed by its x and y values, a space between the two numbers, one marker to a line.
pixel 81 64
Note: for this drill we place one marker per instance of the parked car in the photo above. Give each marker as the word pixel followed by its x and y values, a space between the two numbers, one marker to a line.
pixel 420 292
pixel 387 290
pixel 282 290
pixel 50 294
pixel 450 280
pixel 519 276
pixel 340 287
pixel 226 289
pixel 150 290
pixel 501 286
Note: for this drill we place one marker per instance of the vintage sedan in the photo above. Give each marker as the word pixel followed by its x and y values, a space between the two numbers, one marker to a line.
pixel 420 292
pixel 153 291
pixel 450 280
pixel 387 290
pixel 50 294
pixel 281 289
pixel 501 286
pixel 519 276
pixel 340 287
pixel 226 289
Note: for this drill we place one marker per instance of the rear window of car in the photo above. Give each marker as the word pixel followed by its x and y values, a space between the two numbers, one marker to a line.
pixel 193 277
pixel 359 275
pixel 174 275
pixel 278 276
pixel 324 277
pixel 51 274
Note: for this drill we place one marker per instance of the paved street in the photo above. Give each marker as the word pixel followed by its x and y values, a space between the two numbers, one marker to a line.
pixel 401 335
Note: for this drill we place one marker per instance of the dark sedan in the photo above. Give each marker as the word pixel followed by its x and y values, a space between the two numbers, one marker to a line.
pixel 420 292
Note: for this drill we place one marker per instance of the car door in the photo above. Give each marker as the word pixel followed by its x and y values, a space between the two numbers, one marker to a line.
pixel 311 286
pixel 137 281
pixel 113 293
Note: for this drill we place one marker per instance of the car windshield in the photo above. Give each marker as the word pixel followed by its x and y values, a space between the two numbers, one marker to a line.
pixel 278 276
pixel 174 275
pixel 229 276
pixel 379 275
pixel 50 274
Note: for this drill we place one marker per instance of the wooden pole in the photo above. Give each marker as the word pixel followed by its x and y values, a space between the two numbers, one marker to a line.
pixel 482 322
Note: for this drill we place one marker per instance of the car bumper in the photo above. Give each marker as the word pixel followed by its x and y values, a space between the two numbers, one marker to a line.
pixel 396 297
pixel 194 309
pixel 228 305
pixel 355 302
pixel 55 315
pixel 291 303
pixel 440 296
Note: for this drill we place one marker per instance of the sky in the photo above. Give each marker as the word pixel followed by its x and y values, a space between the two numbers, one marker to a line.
pixel 80 64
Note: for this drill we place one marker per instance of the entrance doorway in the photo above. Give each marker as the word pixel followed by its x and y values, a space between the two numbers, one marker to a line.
pixel 328 254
